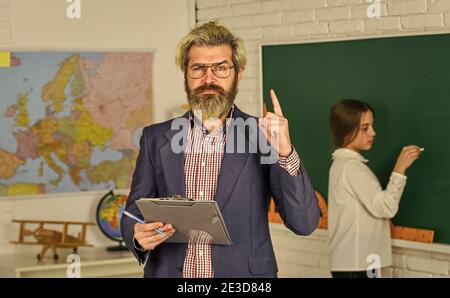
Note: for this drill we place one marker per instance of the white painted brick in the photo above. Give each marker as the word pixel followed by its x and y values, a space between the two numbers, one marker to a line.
pixel 302 244
pixel 253 58
pixel 267 19
pixel 287 269
pixel 313 272
pixel 5 25
pixel 236 1
pixel 331 14
pixel 407 7
pixel 343 2
pixel 294 17
pixel 246 9
pixel 440 256
pixel 199 23
pixel 409 274
pixel 314 246
pixel 4 2
pixel 387 272
pixel 279 31
pixel 277 5
pixel 427 265
pixel 383 24
pixel 284 242
pixel 281 230
pixel 440 5
pixel 440 276
pixel 399 261
pixel 324 262
pixel 305 4
pixel 346 26
pixel 284 255
pixel 249 33
pixel 241 102
pixel 447 19
pixel 422 21
pixel 201 4
pixel 411 252
pixel 280 254
pixel 237 22
pixel 254 109
pixel 214 13
pixel 252 71
pixel 300 258
pixel 251 46
pixel 247 96
pixel 311 28
pixel 360 11
pixel 4 12
pixel 249 84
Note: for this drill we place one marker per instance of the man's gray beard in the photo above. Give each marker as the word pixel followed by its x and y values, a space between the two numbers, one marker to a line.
pixel 213 105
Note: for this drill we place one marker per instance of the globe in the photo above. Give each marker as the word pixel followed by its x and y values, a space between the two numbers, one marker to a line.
pixel 109 214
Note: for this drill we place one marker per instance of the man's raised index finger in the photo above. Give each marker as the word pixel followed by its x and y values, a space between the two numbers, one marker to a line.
pixel 275 103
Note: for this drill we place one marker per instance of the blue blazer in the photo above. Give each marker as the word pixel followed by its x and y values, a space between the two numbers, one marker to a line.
pixel 243 194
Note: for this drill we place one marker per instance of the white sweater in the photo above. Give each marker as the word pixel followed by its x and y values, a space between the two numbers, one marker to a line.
pixel 359 211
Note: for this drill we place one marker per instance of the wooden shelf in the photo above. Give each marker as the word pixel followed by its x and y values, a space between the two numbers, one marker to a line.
pixel 95 262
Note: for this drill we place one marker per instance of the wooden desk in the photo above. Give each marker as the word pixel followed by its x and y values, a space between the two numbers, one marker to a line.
pixel 95 262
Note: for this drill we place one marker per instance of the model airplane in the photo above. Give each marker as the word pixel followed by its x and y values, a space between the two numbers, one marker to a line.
pixel 51 238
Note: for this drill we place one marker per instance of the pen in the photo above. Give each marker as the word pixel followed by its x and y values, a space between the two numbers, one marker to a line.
pixel 421 149
pixel 131 215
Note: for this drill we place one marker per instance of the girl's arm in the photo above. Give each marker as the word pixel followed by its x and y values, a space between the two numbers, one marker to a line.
pixel 363 182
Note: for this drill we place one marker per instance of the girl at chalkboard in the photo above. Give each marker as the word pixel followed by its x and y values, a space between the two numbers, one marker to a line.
pixel 359 209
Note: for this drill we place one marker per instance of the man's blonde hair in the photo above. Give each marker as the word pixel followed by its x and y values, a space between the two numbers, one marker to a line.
pixel 209 35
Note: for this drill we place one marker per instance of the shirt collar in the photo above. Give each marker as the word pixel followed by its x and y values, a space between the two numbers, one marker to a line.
pixel 347 153
pixel 195 122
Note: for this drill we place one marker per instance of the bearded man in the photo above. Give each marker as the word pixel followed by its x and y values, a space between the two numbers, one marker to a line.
pixel 213 166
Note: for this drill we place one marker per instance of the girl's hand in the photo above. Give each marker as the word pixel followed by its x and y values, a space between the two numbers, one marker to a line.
pixel 406 158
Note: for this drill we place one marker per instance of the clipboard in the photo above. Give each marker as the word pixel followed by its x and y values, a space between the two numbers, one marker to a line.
pixel 194 221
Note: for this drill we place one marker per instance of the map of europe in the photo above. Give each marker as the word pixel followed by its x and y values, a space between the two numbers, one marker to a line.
pixel 72 121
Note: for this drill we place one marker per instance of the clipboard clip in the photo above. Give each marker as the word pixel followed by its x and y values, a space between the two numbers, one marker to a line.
pixel 176 197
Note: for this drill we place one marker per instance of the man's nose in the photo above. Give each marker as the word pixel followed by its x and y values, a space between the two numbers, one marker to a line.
pixel 209 76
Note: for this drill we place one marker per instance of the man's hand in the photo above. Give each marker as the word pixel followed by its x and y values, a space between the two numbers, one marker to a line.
pixel 275 128
pixel 146 236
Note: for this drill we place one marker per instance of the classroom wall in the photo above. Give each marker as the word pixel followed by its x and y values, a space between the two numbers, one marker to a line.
pixel 308 256
pixel 76 206
pixel 5 23
pixel 106 25
pixel 262 21
pixel 257 22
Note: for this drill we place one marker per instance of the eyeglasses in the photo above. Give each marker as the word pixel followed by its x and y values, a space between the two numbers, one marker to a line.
pixel 221 70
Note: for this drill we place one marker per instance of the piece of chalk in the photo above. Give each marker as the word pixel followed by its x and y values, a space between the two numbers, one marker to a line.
pixel 421 149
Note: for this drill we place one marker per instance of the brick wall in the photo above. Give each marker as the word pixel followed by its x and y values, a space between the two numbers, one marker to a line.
pixel 299 256
pixel 260 21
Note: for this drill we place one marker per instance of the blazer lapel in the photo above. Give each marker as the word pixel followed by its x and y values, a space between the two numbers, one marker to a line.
pixel 232 163
pixel 173 163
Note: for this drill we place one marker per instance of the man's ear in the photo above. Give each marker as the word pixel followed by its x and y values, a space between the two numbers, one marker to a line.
pixel 241 71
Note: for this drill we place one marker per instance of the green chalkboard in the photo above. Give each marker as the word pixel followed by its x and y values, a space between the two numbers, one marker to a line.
pixel 407 82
